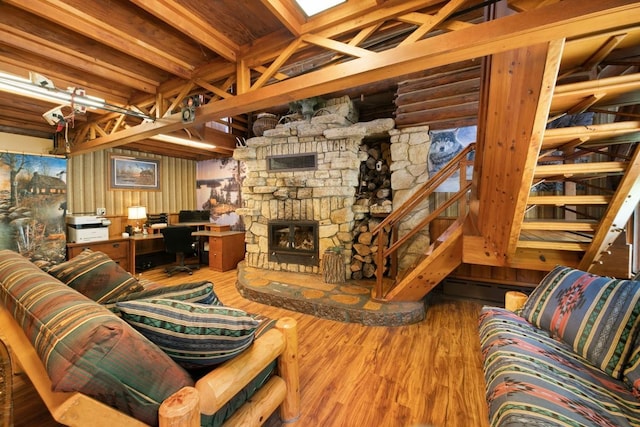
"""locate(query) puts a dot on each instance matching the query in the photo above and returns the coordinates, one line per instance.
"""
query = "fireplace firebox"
(294, 242)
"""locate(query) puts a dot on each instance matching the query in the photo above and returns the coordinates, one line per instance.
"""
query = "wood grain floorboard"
(428, 373)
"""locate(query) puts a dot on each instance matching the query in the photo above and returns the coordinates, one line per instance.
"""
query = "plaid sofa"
(86, 347)
(569, 357)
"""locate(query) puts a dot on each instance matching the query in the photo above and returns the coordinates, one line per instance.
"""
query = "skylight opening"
(313, 7)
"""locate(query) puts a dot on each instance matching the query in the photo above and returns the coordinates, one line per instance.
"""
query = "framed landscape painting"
(133, 173)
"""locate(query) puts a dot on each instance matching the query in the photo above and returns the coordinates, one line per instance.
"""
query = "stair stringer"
(444, 256)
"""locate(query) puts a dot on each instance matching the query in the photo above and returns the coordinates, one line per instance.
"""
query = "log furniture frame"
(184, 407)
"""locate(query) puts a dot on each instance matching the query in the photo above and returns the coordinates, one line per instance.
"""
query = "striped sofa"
(569, 357)
(91, 367)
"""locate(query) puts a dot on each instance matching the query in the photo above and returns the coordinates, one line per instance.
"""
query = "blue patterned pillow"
(201, 292)
(597, 316)
(192, 334)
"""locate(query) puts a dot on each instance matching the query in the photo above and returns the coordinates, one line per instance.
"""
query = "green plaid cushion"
(598, 317)
(96, 276)
(193, 334)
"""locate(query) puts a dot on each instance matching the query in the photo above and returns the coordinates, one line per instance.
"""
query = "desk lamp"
(136, 213)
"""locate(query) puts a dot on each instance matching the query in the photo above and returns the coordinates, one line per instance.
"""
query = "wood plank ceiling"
(245, 56)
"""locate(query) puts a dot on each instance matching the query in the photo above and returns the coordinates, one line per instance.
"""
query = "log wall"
(445, 99)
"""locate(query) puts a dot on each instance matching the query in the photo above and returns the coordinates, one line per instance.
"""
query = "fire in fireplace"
(294, 242)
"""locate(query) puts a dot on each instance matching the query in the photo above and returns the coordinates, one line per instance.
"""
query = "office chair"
(178, 240)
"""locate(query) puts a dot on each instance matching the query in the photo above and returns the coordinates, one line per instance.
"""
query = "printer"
(87, 228)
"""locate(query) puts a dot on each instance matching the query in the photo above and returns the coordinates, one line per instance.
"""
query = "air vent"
(296, 162)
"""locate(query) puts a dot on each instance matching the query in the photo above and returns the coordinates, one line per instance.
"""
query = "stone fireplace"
(300, 192)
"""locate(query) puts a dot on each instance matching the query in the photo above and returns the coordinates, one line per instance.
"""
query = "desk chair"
(178, 240)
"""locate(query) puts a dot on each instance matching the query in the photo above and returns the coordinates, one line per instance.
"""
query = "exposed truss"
(257, 80)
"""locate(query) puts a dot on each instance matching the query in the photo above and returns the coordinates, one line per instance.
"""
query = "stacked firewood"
(375, 178)
(365, 249)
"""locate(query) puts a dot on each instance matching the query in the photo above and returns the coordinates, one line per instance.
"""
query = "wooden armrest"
(218, 386)
(514, 300)
(281, 344)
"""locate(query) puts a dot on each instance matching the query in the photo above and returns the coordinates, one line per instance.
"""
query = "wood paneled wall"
(88, 185)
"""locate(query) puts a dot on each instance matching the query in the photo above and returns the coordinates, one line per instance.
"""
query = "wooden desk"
(226, 248)
(144, 244)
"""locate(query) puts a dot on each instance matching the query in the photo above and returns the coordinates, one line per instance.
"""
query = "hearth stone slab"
(308, 293)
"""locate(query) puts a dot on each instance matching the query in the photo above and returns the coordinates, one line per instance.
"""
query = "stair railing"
(390, 224)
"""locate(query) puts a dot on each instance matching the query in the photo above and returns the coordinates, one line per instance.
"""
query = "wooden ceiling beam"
(571, 18)
(362, 13)
(289, 15)
(81, 21)
(352, 16)
(432, 21)
(185, 21)
(56, 53)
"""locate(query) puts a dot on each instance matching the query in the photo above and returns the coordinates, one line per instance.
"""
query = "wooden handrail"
(458, 164)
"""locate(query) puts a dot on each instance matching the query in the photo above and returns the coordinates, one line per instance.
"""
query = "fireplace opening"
(294, 242)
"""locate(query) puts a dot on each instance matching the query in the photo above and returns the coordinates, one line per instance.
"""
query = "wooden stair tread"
(560, 224)
(554, 239)
(593, 199)
(558, 137)
(561, 246)
(566, 96)
(568, 169)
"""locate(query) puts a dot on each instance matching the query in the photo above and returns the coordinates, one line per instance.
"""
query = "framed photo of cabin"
(133, 173)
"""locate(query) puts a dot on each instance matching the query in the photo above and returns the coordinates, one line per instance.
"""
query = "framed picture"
(132, 173)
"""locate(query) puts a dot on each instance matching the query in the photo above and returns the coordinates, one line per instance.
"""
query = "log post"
(333, 269)
(289, 370)
(181, 409)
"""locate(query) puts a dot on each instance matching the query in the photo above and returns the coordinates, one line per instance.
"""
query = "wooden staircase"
(503, 220)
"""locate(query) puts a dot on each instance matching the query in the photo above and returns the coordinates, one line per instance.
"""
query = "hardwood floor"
(352, 375)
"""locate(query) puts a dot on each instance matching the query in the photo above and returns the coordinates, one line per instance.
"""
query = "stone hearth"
(308, 293)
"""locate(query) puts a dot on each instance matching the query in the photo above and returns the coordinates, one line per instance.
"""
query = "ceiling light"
(73, 96)
(182, 141)
(312, 7)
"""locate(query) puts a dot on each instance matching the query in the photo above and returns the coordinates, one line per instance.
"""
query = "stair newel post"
(462, 203)
(393, 237)
(379, 265)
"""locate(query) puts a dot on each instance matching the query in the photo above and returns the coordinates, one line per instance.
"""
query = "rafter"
(337, 46)
(78, 20)
(273, 68)
(197, 28)
(55, 52)
(290, 18)
(431, 21)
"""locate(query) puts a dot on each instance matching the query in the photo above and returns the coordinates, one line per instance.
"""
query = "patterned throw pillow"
(598, 316)
(192, 334)
(201, 292)
(96, 276)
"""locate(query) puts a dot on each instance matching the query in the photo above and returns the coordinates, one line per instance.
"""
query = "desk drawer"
(116, 250)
